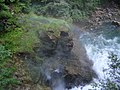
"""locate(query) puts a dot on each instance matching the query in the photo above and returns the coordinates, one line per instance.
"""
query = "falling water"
(99, 45)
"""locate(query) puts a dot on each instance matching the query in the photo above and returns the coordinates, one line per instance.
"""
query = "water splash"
(98, 50)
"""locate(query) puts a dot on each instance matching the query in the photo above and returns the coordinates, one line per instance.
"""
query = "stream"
(99, 44)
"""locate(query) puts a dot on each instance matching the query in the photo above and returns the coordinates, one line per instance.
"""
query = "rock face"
(116, 23)
(66, 58)
(65, 63)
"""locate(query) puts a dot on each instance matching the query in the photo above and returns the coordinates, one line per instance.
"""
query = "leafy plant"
(5, 15)
(8, 11)
(2, 1)
(76, 9)
(4, 7)
(12, 0)
(6, 69)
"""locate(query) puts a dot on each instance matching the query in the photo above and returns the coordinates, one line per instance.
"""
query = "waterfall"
(98, 49)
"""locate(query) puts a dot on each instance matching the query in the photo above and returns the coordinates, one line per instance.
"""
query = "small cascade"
(98, 48)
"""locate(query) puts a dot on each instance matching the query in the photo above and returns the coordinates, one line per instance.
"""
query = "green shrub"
(1, 27)
(5, 14)
(76, 9)
(26, 10)
(6, 69)
(13, 0)
(3, 7)
(8, 17)
(54, 9)
(2, 1)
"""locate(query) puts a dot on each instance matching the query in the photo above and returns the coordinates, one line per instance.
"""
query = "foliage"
(76, 9)
(54, 9)
(8, 11)
(25, 6)
(6, 69)
(2, 1)
(5, 15)
(4, 7)
(25, 38)
(11, 39)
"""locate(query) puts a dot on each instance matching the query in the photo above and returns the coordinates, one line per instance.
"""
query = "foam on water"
(98, 50)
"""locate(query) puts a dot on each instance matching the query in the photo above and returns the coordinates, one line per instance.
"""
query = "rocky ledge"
(65, 61)
(58, 61)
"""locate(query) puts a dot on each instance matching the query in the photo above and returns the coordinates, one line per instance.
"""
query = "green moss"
(25, 38)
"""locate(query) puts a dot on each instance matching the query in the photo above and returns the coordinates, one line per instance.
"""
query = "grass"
(25, 38)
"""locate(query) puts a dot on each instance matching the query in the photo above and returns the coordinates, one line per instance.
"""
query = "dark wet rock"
(65, 62)
(63, 34)
(70, 60)
(64, 46)
(23, 54)
(47, 45)
(117, 2)
(116, 23)
(78, 69)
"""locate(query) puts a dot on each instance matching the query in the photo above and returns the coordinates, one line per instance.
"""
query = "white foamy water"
(98, 50)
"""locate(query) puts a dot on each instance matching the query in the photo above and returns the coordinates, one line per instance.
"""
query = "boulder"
(65, 61)
(71, 62)
(116, 23)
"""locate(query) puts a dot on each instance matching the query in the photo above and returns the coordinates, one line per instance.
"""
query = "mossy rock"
(25, 38)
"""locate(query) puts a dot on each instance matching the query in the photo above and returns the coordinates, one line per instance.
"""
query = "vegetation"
(24, 39)
(75, 9)
(6, 69)
(19, 28)
(9, 10)
(68, 9)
